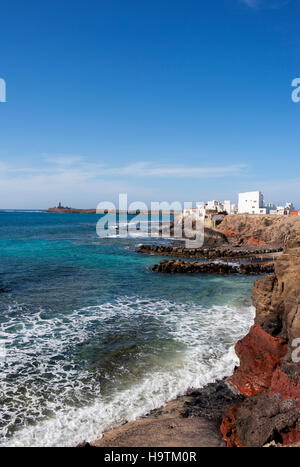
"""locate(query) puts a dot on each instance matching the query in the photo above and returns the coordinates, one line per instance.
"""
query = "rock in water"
(178, 266)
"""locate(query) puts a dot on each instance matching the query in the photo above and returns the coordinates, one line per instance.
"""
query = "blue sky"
(164, 100)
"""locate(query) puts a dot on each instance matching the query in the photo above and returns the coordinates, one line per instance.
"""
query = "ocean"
(91, 338)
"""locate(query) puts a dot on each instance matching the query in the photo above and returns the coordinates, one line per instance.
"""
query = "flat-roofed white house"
(230, 207)
(214, 206)
(252, 202)
(283, 210)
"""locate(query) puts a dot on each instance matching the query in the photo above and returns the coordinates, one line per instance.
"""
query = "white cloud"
(76, 167)
(146, 169)
(63, 160)
(79, 183)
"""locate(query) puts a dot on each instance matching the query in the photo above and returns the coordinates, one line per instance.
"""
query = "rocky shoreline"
(183, 267)
(226, 252)
(269, 371)
(259, 405)
(192, 420)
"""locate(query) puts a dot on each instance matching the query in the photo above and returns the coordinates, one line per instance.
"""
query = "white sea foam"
(64, 403)
(117, 230)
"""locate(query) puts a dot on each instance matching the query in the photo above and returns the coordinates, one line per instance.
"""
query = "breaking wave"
(68, 377)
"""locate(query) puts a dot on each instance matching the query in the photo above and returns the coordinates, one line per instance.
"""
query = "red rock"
(287, 388)
(228, 427)
(252, 241)
(268, 372)
(291, 437)
(230, 233)
(259, 355)
(269, 229)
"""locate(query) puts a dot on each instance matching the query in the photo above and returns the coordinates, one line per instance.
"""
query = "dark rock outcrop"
(66, 210)
(226, 252)
(259, 420)
(173, 267)
(211, 401)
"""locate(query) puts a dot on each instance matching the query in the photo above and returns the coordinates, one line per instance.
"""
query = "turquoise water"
(89, 337)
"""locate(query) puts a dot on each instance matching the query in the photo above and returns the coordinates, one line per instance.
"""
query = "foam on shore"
(58, 401)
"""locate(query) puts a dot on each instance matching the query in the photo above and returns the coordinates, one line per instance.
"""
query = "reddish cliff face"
(269, 371)
(257, 230)
(259, 354)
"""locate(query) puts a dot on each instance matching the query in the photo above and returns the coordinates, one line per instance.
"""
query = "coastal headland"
(259, 405)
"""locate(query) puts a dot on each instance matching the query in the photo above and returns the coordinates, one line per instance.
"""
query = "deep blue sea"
(90, 338)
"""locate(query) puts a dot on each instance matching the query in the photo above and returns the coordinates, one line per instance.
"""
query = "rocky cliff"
(256, 230)
(269, 371)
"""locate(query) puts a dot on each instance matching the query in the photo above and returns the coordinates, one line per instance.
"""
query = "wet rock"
(211, 401)
(210, 253)
(178, 266)
(261, 419)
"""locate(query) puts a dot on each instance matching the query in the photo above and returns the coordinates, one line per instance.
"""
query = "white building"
(230, 207)
(252, 202)
(216, 206)
(283, 210)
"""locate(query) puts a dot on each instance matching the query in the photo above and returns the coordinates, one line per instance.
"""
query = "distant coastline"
(68, 210)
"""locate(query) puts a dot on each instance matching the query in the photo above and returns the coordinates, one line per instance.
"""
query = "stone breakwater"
(269, 371)
(178, 266)
(210, 253)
